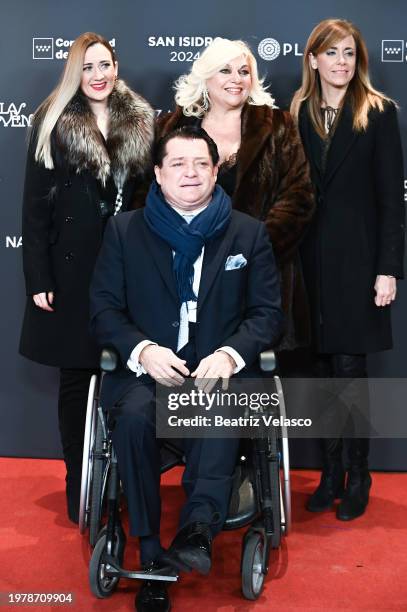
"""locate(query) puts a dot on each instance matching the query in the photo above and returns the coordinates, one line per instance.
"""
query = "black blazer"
(356, 233)
(133, 293)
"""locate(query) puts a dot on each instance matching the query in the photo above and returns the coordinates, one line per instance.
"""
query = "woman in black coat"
(353, 252)
(89, 147)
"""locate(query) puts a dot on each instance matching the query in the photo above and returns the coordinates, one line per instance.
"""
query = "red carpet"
(323, 565)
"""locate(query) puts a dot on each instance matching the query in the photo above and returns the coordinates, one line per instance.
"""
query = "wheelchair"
(260, 499)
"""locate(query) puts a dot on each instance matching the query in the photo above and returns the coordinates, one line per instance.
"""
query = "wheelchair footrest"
(112, 568)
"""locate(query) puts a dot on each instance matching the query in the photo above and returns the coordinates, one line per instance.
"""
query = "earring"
(205, 99)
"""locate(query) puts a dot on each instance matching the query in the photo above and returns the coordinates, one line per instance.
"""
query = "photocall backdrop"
(156, 41)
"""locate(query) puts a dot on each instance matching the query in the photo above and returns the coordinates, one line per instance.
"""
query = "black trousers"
(341, 366)
(347, 419)
(72, 400)
(210, 463)
(303, 362)
(355, 431)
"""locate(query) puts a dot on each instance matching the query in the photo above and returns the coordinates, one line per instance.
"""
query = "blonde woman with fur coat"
(262, 162)
(89, 148)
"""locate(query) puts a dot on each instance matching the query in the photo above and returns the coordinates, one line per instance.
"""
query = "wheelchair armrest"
(108, 360)
(268, 361)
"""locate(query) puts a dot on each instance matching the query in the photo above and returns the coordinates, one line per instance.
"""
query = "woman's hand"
(386, 290)
(43, 300)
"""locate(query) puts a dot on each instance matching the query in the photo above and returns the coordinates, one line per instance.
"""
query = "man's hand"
(386, 290)
(160, 362)
(211, 368)
(43, 300)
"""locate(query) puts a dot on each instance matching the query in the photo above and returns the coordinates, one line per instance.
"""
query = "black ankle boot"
(359, 481)
(356, 495)
(332, 481)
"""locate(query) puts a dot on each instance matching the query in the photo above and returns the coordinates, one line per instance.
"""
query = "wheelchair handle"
(108, 360)
(268, 361)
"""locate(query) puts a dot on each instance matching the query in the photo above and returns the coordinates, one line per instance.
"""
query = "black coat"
(134, 296)
(63, 223)
(356, 233)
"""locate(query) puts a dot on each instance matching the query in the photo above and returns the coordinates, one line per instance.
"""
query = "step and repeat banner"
(155, 42)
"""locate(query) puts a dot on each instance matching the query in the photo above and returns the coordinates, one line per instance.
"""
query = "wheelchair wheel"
(252, 561)
(285, 461)
(87, 461)
(120, 540)
(98, 484)
(101, 584)
(274, 471)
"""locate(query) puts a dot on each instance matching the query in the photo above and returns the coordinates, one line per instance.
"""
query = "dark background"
(28, 421)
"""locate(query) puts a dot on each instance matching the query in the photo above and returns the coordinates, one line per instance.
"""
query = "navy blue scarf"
(186, 239)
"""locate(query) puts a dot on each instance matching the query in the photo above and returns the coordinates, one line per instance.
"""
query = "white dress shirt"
(187, 315)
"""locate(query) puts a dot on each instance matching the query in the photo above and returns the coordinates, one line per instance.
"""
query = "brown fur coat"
(273, 185)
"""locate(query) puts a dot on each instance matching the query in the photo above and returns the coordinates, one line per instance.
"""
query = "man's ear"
(215, 171)
(157, 172)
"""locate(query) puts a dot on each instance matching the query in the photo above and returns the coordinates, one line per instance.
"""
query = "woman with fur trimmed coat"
(90, 147)
(262, 162)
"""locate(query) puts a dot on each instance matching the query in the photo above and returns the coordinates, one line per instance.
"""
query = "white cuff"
(133, 361)
(240, 362)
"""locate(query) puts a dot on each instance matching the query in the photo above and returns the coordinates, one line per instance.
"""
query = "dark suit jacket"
(134, 296)
(357, 231)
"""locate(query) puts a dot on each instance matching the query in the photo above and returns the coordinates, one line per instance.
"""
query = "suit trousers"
(210, 463)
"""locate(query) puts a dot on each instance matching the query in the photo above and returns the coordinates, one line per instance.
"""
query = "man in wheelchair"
(184, 287)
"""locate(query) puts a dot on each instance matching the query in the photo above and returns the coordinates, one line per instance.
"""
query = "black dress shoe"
(153, 595)
(191, 548)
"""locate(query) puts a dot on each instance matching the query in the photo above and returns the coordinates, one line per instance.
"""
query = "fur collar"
(127, 151)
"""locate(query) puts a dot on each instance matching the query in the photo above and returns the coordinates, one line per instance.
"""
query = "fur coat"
(273, 185)
(64, 213)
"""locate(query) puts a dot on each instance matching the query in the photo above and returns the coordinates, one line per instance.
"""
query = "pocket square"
(234, 262)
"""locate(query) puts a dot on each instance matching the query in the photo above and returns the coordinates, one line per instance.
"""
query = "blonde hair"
(191, 93)
(48, 113)
(361, 93)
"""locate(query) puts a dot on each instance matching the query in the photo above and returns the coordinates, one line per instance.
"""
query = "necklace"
(330, 115)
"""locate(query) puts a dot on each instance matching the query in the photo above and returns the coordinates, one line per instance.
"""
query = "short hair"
(187, 132)
(190, 89)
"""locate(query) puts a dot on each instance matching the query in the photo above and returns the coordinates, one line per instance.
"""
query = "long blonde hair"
(191, 93)
(361, 93)
(48, 113)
